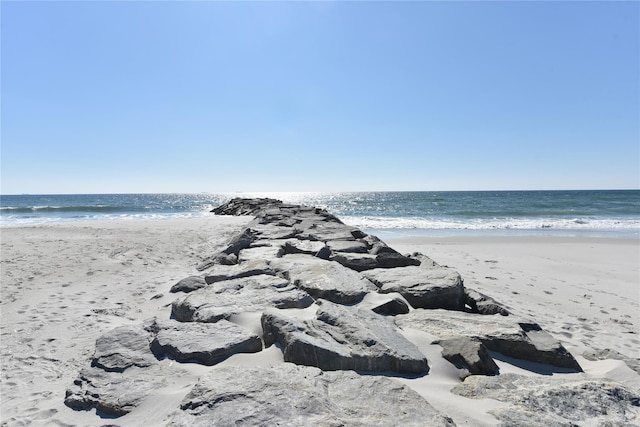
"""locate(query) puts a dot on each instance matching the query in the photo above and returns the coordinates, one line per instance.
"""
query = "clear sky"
(319, 96)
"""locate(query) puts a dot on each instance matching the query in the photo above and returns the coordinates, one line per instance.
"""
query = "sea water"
(597, 212)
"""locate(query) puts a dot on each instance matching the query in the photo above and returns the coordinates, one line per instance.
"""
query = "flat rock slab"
(247, 269)
(343, 338)
(122, 348)
(543, 401)
(290, 395)
(221, 300)
(259, 253)
(113, 393)
(369, 261)
(204, 343)
(354, 246)
(526, 341)
(421, 287)
(324, 279)
(189, 284)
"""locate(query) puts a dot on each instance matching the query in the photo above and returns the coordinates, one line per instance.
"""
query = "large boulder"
(113, 393)
(421, 287)
(323, 279)
(122, 348)
(221, 300)
(547, 401)
(291, 395)
(340, 338)
(189, 284)
(204, 343)
(520, 340)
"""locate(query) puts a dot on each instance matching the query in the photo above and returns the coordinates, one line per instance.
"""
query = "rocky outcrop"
(482, 304)
(244, 206)
(125, 368)
(223, 299)
(331, 298)
(204, 343)
(340, 338)
(291, 395)
(540, 401)
(526, 341)
(421, 287)
(323, 279)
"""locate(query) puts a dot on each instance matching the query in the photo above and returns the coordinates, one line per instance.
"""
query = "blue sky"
(319, 96)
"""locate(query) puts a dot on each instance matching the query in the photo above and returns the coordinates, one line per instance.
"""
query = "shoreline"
(63, 285)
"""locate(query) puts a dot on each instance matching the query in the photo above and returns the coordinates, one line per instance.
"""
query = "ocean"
(390, 214)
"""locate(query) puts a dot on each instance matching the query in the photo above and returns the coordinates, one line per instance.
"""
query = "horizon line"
(316, 192)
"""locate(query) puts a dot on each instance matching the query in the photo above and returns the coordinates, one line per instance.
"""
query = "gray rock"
(425, 261)
(544, 401)
(242, 240)
(219, 259)
(113, 393)
(470, 354)
(330, 231)
(367, 261)
(385, 304)
(422, 287)
(377, 246)
(189, 284)
(204, 343)
(249, 294)
(392, 307)
(266, 232)
(482, 304)
(352, 246)
(245, 206)
(356, 262)
(122, 348)
(343, 338)
(308, 247)
(526, 341)
(323, 279)
(290, 395)
(260, 253)
(324, 253)
(238, 271)
(392, 260)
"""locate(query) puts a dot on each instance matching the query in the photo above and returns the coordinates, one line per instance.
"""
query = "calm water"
(389, 213)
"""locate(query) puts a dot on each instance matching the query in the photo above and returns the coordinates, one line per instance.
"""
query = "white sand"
(584, 291)
(64, 285)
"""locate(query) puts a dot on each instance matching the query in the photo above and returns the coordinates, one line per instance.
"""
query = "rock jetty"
(340, 305)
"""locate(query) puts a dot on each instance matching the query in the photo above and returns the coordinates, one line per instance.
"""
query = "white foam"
(409, 223)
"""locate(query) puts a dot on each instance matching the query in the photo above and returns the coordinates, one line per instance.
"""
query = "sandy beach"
(63, 285)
